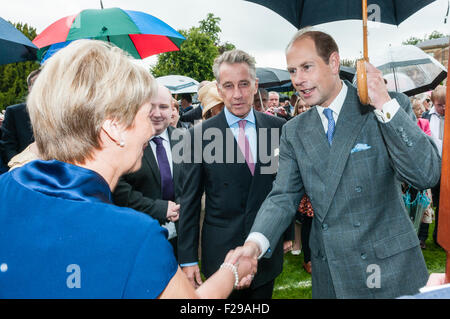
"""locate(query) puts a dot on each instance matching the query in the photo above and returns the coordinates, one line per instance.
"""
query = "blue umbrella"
(14, 45)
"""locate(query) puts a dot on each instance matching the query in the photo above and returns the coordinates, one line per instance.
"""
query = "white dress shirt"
(435, 122)
(250, 129)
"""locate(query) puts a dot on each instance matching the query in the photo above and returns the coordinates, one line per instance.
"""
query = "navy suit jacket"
(17, 132)
(233, 198)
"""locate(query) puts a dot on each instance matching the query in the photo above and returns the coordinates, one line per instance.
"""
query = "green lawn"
(295, 283)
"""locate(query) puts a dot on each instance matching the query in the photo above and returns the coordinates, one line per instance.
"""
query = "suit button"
(363, 256)
(357, 224)
(325, 226)
(358, 189)
(324, 258)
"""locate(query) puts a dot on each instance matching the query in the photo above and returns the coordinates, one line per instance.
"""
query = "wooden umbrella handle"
(361, 73)
(365, 42)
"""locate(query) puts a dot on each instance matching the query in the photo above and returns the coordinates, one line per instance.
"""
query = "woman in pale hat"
(210, 100)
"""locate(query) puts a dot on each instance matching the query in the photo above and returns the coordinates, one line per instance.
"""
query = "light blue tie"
(331, 125)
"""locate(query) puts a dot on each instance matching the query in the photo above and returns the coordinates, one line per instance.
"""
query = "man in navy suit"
(145, 190)
(234, 189)
(17, 132)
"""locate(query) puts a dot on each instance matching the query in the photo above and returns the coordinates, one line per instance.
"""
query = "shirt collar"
(433, 111)
(338, 102)
(233, 119)
(164, 135)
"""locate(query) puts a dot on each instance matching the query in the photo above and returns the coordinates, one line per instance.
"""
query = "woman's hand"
(246, 267)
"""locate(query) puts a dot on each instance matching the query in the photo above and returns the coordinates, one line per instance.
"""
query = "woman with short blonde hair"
(80, 88)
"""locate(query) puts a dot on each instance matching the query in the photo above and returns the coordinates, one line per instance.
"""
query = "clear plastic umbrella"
(409, 70)
(178, 84)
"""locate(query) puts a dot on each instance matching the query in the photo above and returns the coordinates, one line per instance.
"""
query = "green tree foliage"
(348, 62)
(13, 77)
(415, 40)
(210, 26)
(197, 52)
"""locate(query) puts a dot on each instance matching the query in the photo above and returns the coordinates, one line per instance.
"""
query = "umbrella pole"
(365, 42)
(260, 100)
(361, 73)
(443, 234)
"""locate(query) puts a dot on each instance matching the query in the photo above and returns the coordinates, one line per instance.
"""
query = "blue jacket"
(61, 237)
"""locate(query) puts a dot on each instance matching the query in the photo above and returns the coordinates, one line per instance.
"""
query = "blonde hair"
(297, 106)
(79, 88)
(417, 104)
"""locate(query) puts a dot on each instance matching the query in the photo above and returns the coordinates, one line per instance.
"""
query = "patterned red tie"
(244, 145)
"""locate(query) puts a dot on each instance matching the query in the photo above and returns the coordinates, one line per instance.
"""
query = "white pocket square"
(360, 147)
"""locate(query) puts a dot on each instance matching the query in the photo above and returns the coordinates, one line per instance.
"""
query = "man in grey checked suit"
(351, 165)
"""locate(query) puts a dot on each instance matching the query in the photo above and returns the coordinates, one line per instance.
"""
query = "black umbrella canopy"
(303, 13)
(271, 77)
(285, 85)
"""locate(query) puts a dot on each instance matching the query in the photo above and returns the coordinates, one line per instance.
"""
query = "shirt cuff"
(261, 241)
(389, 110)
(188, 264)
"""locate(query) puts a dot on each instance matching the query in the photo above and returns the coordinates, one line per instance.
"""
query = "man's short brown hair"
(325, 44)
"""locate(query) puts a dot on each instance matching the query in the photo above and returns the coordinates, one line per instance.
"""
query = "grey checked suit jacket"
(362, 243)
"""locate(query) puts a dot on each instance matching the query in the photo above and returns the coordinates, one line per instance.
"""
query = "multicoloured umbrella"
(138, 33)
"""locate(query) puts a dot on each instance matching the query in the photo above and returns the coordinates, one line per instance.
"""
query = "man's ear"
(334, 62)
(114, 130)
(256, 86)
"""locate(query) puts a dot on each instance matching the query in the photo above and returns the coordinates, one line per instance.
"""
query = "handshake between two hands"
(245, 258)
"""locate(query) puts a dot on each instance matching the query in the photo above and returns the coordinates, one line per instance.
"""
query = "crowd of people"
(138, 194)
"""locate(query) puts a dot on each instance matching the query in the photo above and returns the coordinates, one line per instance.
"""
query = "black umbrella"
(345, 73)
(302, 13)
(14, 45)
(271, 77)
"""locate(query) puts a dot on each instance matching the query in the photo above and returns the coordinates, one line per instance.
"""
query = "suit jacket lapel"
(315, 142)
(175, 167)
(149, 157)
(259, 123)
(351, 120)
